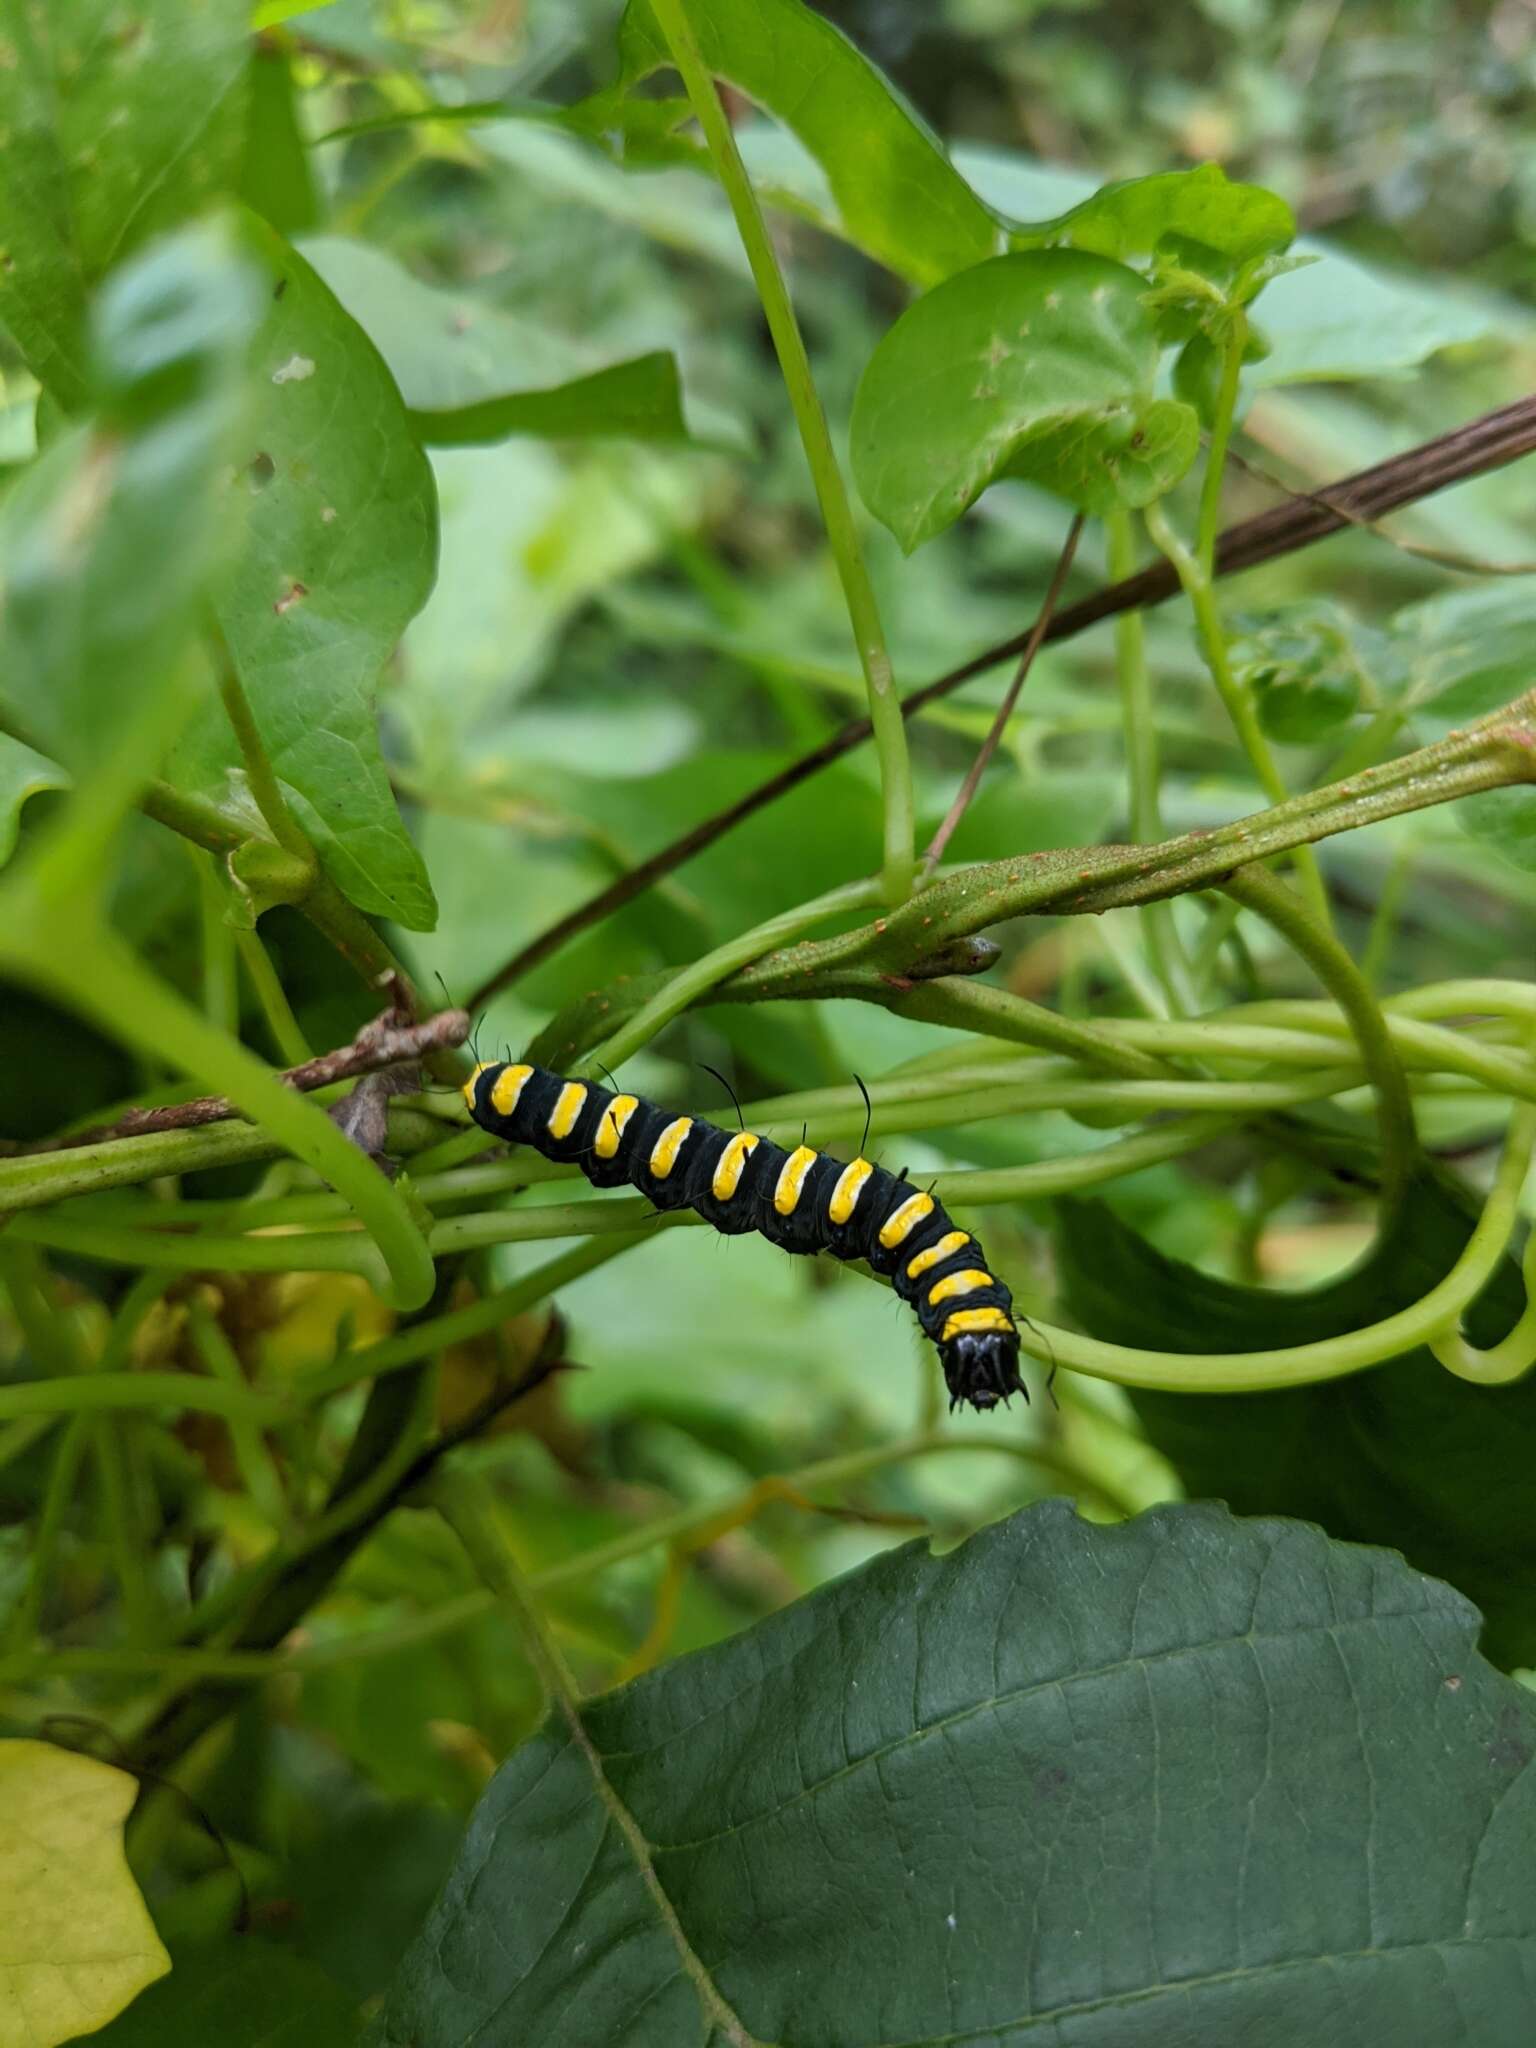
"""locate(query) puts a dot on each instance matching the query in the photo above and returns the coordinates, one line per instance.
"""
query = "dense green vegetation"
(479, 480)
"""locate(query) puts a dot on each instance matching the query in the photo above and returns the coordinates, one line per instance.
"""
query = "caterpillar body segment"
(801, 1200)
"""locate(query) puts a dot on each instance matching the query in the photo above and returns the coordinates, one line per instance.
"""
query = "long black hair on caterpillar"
(802, 1201)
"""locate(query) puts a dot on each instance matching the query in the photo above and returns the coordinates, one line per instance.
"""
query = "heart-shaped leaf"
(1037, 365)
(339, 520)
(76, 1940)
(1187, 1779)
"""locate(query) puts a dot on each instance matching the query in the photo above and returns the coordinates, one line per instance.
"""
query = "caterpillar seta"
(802, 1201)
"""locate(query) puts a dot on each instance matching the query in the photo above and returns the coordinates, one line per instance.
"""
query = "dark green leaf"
(1037, 365)
(340, 519)
(897, 194)
(1188, 1779)
(1406, 1454)
(122, 118)
(239, 1993)
(110, 540)
(275, 178)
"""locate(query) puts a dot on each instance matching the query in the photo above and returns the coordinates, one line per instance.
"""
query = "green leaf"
(76, 1940)
(897, 194)
(473, 374)
(1467, 654)
(122, 118)
(638, 401)
(1188, 1779)
(340, 522)
(23, 773)
(275, 177)
(1406, 1454)
(1300, 663)
(239, 1993)
(1203, 206)
(110, 539)
(1037, 365)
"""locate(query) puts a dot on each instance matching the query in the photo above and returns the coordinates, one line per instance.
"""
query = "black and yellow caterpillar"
(802, 1201)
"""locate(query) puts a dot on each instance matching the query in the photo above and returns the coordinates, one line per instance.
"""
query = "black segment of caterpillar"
(801, 1201)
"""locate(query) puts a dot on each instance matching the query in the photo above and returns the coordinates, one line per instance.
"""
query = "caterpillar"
(801, 1201)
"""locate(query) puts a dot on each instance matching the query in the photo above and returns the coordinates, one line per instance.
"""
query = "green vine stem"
(1200, 589)
(885, 715)
(1261, 892)
(686, 987)
(1142, 765)
(84, 965)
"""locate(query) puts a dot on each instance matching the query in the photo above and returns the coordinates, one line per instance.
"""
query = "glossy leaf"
(238, 1993)
(1038, 365)
(1173, 1779)
(339, 518)
(1405, 1454)
(897, 194)
(109, 542)
(76, 1939)
(122, 118)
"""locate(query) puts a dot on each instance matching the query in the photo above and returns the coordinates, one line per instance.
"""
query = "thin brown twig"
(1443, 558)
(390, 1040)
(1486, 443)
(989, 745)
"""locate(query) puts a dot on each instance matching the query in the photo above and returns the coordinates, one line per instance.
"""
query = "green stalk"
(62, 1474)
(1260, 891)
(259, 772)
(1142, 766)
(91, 971)
(842, 534)
(1209, 525)
(693, 981)
(288, 1041)
(1199, 588)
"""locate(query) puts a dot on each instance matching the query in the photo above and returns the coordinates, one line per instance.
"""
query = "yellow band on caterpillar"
(792, 1179)
(562, 1118)
(507, 1087)
(944, 1249)
(850, 1185)
(666, 1148)
(905, 1220)
(468, 1090)
(610, 1125)
(976, 1319)
(971, 1281)
(733, 1162)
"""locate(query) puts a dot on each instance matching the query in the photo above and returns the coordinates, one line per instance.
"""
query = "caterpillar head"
(981, 1367)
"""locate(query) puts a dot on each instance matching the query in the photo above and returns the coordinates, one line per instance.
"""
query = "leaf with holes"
(122, 118)
(1038, 365)
(339, 520)
(1405, 1454)
(76, 1940)
(1189, 1778)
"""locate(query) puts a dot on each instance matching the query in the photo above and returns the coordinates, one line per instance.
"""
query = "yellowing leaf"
(76, 1940)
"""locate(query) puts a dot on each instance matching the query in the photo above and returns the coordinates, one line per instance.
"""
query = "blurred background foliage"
(626, 632)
